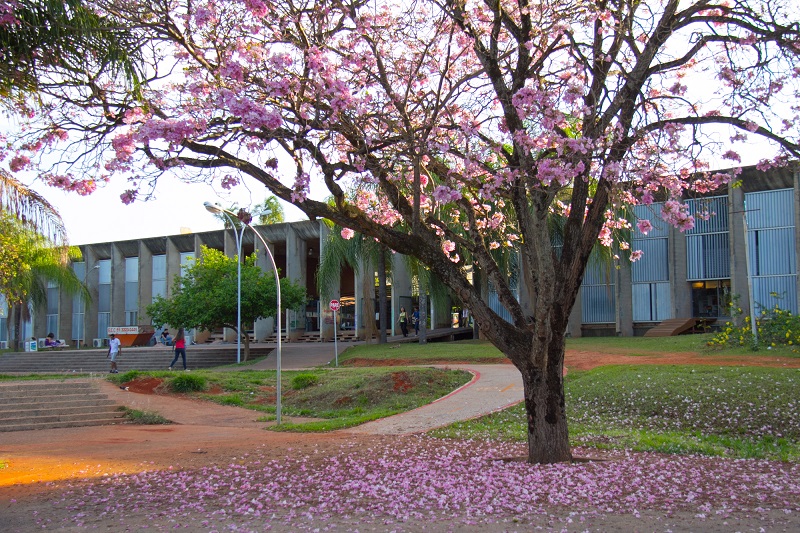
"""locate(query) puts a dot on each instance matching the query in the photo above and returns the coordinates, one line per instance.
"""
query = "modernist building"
(746, 252)
(124, 277)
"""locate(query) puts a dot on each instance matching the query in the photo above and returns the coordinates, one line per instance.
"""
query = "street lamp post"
(86, 300)
(217, 210)
(239, 234)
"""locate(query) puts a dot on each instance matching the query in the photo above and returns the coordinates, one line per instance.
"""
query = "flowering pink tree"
(449, 130)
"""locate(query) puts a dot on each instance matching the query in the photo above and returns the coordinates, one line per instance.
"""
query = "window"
(131, 291)
(159, 276)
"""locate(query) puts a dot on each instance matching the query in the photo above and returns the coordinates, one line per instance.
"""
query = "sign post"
(334, 305)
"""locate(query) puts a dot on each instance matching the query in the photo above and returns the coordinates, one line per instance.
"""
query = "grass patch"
(470, 351)
(3, 464)
(144, 417)
(36, 377)
(695, 344)
(343, 397)
(742, 412)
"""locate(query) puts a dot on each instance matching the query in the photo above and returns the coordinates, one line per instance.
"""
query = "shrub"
(187, 383)
(303, 381)
(774, 327)
(145, 417)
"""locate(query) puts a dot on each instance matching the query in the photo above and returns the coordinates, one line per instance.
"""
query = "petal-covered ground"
(419, 483)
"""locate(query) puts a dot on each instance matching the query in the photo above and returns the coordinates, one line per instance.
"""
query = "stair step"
(28, 405)
(33, 425)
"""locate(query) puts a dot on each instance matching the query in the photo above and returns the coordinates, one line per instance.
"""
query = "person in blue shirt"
(415, 318)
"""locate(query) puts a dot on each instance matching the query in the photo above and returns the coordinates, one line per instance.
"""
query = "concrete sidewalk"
(493, 387)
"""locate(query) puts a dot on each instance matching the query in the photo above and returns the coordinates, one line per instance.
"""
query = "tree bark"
(548, 435)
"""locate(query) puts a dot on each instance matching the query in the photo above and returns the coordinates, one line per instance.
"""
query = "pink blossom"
(347, 234)
(129, 196)
(444, 195)
(636, 255)
(204, 16)
(256, 7)
(644, 226)
(229, 182)
(19, 162)
(733, 156)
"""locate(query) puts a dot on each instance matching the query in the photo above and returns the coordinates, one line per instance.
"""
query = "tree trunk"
(246, 338)
(548, 435)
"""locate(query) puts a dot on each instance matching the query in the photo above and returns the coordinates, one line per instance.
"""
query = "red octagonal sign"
(334, 305)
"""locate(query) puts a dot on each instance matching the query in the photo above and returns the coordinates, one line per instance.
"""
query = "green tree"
(206, 296)
(28, 261)
(270, 211)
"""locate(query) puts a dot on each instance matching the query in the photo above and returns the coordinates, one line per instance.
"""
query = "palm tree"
(270, 211)
(29, 261)
(363, 255)
(65, 38)
(31, 209)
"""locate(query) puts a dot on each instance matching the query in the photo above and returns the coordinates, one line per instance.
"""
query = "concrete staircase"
(29, 405)
(139, 358)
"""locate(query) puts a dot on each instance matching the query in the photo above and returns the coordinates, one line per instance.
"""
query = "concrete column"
(92, 283)
(145, 282)
(681, 290)
(737, 243)
(296, 252)
(230, 249)
(401, 291)
(117, 287)
(359, 322)
(264, 327)
(173, 264)
(624, 299)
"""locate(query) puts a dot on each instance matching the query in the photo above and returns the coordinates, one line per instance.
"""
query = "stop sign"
(334, 305)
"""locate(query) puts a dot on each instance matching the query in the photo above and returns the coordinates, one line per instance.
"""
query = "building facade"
(745, 253)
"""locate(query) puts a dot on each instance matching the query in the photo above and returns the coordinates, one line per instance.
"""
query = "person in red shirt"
(179, 342)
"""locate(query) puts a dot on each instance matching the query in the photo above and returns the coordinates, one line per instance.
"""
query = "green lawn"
(743, 412)
(470, 351)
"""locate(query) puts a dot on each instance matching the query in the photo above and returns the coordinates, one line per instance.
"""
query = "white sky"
(102, 217)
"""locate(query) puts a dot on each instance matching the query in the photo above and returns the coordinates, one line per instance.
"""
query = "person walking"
(404, 321)
(114, 349)
(180, 348)
(415, 318)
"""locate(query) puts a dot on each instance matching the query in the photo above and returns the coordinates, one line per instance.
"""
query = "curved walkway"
(493, 387)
